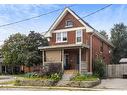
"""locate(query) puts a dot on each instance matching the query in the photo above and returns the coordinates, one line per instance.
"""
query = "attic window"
(69, 23)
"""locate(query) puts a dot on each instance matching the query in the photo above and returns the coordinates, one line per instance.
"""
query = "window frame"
(66, 24)
(80, 36)
(61, 37)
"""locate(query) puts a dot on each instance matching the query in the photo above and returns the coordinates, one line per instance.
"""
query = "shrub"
(54, 68)
(31, 75)
(55, 77)
(99, 68)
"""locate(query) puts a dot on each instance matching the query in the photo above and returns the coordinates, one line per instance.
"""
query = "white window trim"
(61, 33)
(81, 37)
(69, 25)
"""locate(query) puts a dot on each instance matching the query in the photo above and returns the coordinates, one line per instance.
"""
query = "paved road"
(113, 84)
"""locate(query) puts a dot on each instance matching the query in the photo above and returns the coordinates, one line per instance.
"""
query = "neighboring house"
(74, 44)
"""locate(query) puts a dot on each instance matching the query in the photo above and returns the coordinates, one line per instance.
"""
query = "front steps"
(68, 74)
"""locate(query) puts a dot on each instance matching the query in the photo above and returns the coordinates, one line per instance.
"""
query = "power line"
(97, 11)
(33, 17)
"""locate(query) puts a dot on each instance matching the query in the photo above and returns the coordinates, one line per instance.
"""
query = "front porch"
(72, 58)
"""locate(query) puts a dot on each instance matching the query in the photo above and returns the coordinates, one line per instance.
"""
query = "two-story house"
(74, 43)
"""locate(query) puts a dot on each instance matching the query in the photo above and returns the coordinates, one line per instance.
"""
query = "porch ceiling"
(64, 46)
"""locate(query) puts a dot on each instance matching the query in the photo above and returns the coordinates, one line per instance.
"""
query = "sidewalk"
(38, 88)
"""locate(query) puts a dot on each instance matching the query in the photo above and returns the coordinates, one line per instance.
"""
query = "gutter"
(91, 50)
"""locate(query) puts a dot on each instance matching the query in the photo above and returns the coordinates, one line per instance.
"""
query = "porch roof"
(64, 46)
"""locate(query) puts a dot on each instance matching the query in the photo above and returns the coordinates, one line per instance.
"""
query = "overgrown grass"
(84, 77)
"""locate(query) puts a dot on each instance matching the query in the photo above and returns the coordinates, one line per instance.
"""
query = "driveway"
(116, 84)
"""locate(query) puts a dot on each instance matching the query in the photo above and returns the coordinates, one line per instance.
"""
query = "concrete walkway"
(117, 84)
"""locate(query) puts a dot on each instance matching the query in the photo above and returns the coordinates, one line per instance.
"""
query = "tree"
(13, 50)
(103, 32)
(119, 40)
(33, 41)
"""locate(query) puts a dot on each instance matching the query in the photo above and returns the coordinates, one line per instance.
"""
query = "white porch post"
(62, 60)
(80, 60)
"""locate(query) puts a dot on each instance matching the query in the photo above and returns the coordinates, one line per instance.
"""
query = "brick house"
(74, 43)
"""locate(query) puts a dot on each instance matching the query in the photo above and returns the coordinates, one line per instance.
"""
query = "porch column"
(80, 60)
(62, 55)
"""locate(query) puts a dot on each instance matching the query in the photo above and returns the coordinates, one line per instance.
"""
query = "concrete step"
(68, 74)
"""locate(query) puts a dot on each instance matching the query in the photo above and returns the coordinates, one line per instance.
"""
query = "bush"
(50, 70)
(54, 68)
(55, 77)
(31, 75)
(99, 68)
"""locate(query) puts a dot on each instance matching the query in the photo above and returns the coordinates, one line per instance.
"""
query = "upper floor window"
(69, 23)
(61, 37)
(78, 36)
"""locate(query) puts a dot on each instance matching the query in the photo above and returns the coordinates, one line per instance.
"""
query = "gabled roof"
(84, 23)
(61, 16)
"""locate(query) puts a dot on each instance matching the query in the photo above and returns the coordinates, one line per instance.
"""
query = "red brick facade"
(71, 39)
(68, 16)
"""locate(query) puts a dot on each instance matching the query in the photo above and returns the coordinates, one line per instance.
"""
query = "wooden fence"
(116, 70)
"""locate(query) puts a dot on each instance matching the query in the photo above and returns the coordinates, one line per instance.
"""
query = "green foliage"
(31, 75)
(55, 77)
(119, 40)
(99, 68)
(13, 50)
(33, 41)
(84, 77)
(103, 32)
(20, 49)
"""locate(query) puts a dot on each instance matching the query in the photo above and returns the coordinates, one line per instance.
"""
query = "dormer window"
(69, 23)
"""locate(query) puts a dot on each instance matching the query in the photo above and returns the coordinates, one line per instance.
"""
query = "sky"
(103, 20)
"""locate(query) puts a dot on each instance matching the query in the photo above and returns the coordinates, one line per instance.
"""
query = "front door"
(66, 61)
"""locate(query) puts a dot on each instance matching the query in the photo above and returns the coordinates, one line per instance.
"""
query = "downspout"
(91, 51)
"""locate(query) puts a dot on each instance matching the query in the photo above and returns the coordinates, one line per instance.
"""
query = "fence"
(116, 70)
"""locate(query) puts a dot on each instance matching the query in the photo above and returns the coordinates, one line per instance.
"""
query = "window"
(78, 36)
(61, 37)
(64, 36)
(69, 23)
(58, 37)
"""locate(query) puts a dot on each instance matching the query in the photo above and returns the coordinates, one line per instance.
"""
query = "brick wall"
(68, 16)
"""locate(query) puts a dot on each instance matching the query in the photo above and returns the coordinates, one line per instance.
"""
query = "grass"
(84, 78)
